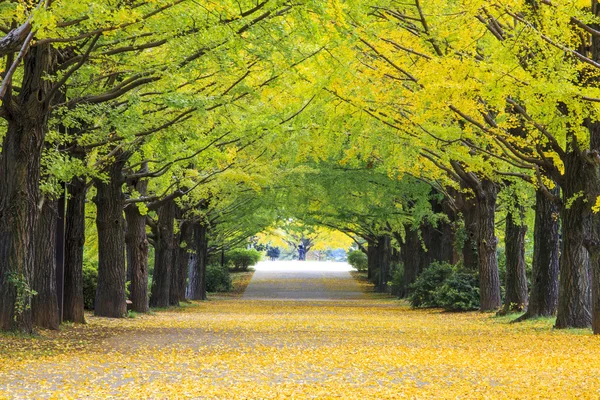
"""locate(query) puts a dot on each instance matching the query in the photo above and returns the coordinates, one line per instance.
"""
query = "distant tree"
(273, 253)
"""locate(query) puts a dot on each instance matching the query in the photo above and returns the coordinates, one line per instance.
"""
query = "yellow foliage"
(596, 206)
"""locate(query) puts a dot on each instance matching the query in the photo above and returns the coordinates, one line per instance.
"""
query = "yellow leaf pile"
(235, 349)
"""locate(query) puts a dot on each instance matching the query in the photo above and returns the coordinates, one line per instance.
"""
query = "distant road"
(303, 280)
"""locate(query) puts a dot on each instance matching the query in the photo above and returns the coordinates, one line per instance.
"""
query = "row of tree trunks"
(171, 259)
(420, 248)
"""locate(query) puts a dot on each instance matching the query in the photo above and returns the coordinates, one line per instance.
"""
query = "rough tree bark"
(110, 293)
(515, 298)
(179, 252)
(543, 298)
(440, 237)
(197, 285)
(428, 247)
(466, 205)
(469, 249)
(175, 275)
(136, 242)
(574, 297)
(74, 242)
(183, 258)
(27, 117)
(384, 253)
(371, 259)
(44, 305)
(163, 261)
(411, 254)
(489, 279)
(447, 231)
(592, 182)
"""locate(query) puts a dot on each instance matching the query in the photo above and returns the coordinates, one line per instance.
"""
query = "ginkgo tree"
(92, 60)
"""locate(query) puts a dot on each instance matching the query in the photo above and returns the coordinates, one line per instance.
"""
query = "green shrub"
(90, 282)
(358, 260)
(460, 292)
(241, 259)
(445, 286)
(218, 279)
(422, 292)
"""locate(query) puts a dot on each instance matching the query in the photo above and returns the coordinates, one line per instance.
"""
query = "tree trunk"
(411, 254)
(592, 180)
(516, 275)
(183, 258)
(74, 242)
(197, 286)
(384, 252)
(440, 237)
(27, 118)
(469, 250)
(489, 280)
(136, 242)
(175, 278)
(44, 305)
(574, 297)
(110, 293)
(137, 258)
(371, 260)
(544, 280)
(448, 234)
(163, 261)
(428, 248)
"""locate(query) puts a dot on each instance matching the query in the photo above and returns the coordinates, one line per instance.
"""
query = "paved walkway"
(302, 280)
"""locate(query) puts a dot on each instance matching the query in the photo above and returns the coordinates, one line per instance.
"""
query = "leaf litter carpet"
(365, 346)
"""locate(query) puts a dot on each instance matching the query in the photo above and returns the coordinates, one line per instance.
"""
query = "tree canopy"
(415, 131)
